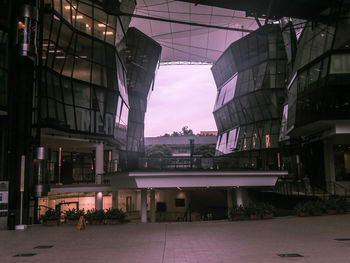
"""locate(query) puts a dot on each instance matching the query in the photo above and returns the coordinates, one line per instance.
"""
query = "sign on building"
(3, 204)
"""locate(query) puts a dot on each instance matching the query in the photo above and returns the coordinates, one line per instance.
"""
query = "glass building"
(141, 55)
(250, 77)
(317, 109)
(4, 78)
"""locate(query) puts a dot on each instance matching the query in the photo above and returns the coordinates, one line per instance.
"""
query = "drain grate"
(342, 239)
(25, 255)
(292, 255)
(43, 247)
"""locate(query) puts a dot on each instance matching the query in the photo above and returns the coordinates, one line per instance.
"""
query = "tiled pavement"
(204, 242)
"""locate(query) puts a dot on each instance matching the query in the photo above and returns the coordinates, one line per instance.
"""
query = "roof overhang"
(81, 188)
(200, 179)
(274, 9)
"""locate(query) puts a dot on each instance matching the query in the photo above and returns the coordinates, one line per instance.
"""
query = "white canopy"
(199, 179)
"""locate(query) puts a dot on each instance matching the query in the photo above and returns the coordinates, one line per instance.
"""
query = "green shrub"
(74, 214)
(94, 214)
(51, 215)
(237, 211)
(113, 213)
(310, 207)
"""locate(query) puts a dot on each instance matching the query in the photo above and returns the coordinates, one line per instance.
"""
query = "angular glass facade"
(141, 55)
(83, 87)
(319, 90)
(4, 77)
(4, 50)
(250, 76)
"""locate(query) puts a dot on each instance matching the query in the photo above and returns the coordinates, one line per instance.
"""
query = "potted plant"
(267, 210)
(310, 208)
(95, 217)
(341, 205)
(237, 213)
(72, 216)
(115, 216)
(302, 209)
(51, 217)
(253, 211)
(317, 207)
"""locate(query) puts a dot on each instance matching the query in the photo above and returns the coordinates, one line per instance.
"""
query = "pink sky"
(183, 95)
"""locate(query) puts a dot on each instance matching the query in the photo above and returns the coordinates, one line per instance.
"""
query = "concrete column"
(99, 157)
(143, 205)
(99, 163)
(229, 202)
(115, 159)
(98, 201)
(329, 168)
(239, 196)
(115, 196)
(153, 205)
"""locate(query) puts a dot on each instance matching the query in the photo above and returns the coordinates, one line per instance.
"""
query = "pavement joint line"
(43, 246)
(290, 255)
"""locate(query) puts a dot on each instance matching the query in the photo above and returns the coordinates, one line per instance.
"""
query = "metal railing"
(338, 189)
(301, 188)
(194, 163)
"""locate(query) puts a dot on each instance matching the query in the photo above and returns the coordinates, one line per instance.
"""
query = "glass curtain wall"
(249, 105)
(141, 55)
(4, 86)
(83, 79)
(319, 88)
(4, 39)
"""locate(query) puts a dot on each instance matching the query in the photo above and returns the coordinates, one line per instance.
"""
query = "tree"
(186, 131)
(205, 150)
(158, 150)
(175, 133)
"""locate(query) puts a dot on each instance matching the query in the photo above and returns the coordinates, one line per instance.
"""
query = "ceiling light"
(101, 25)
(67, 7)
(78, 17)
(108, 33)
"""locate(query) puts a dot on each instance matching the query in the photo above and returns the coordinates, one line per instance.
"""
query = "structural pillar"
(239, 196)
(115, 196)
(99, 201)
(99, 158)
(329, 167)
(229, 202)
(115, 158)
(153, 205)
(143, 205)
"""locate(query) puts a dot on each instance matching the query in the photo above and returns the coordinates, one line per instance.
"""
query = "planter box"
(72, 222)
(254, 217)
(113, 221)
(51, 223)
(268, 216)
(303, 214)
(331, 212)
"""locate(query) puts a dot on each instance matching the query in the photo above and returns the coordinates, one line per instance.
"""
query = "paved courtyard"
(204, 242)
